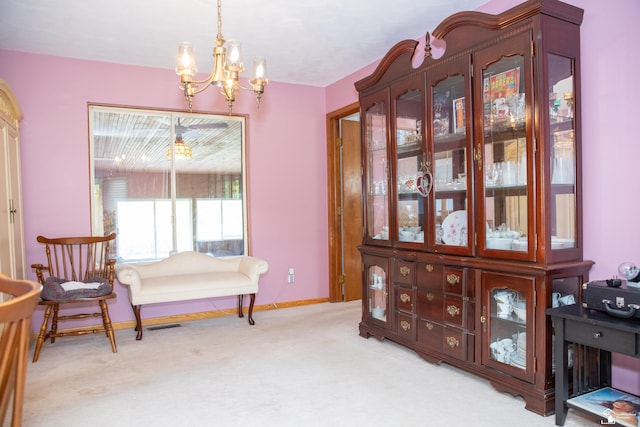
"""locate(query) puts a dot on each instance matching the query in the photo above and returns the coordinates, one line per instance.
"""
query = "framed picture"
(459, 122)
(497, 88)
(441, 114)
(613, 405)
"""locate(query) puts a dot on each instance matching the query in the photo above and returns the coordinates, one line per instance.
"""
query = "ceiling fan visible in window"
(181, 129)
(179, 149)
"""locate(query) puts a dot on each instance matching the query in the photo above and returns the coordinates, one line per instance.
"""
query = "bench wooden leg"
(136, 312)
(240, 313)
(253, 299)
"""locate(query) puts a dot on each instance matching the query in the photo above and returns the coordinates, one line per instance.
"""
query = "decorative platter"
(454, 227)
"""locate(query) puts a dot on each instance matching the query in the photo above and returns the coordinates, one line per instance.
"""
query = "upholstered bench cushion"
(194, 286)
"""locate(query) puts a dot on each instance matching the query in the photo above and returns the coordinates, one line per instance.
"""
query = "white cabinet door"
(12, 258)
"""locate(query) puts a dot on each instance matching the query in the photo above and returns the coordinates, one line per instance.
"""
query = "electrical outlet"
(291, 275)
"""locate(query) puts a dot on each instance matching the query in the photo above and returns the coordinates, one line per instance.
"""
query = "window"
(167, 181)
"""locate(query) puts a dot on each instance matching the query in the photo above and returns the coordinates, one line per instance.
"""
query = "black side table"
(595, 336)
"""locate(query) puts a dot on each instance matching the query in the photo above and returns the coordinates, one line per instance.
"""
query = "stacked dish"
(519, 359)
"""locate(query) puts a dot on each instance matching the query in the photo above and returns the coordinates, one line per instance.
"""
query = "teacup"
(407, 236)
(567, 300)
(508, 345)
(377, 312)
(504, 310)
(555, 299)
(497, 352)
(502, 350)
(377, 281)
(505, 297)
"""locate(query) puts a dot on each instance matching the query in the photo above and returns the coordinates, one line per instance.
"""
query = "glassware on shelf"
(377, 212)
(377, 293)
(563, 169)
(562, 159)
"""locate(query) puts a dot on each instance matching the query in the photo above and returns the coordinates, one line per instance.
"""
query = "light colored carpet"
(297, 366)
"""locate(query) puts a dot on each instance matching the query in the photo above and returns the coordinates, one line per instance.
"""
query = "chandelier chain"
(220, 20)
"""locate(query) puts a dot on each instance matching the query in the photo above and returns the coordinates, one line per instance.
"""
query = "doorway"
(345, 204)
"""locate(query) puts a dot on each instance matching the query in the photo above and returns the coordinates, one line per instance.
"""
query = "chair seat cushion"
(57, 289)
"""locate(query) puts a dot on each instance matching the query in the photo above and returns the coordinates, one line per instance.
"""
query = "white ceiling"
(311, 42)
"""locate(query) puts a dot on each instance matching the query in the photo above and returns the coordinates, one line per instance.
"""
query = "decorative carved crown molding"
(8, 102)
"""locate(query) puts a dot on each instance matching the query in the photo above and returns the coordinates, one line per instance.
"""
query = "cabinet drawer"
(600, 337)
(430, 335)
(429, 276)
(404, 272)
(453, 280)
(454, 310)
(406, 326)
(429, 304)
(405, 299)
(454, 343)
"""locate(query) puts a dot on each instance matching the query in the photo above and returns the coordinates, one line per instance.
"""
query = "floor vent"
(172, 325)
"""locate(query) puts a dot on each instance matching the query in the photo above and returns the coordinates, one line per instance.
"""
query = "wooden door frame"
(333, 194)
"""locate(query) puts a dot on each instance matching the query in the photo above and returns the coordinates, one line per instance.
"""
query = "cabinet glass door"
(377, 292)
(408, 143)
(507, 315)
(450, 162)
(504, 171)
(563, 152)
(377, 185)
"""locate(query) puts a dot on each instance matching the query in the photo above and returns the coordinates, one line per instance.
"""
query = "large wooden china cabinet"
(472, 190)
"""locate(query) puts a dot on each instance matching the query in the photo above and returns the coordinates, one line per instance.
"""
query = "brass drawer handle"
(429, 325)
(430, 296)
(453, 343)
(405, 325)
(453, 279)
(404, 270)
(429, 267)
(453, 310)
(405, 298)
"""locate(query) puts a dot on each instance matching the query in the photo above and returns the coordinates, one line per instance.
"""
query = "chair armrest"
(128, 275)
(39, 268)
(253, 267)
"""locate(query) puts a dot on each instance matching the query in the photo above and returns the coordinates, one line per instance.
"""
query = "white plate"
(454, 228)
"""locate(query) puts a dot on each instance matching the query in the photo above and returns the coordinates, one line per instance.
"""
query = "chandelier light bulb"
(259, 71)
(234, 56)
(186, 64)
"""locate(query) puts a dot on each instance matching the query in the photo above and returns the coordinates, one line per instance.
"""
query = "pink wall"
(287, 156)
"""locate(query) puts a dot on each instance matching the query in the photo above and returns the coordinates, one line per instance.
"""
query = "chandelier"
(227, 65)
(179, 150)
